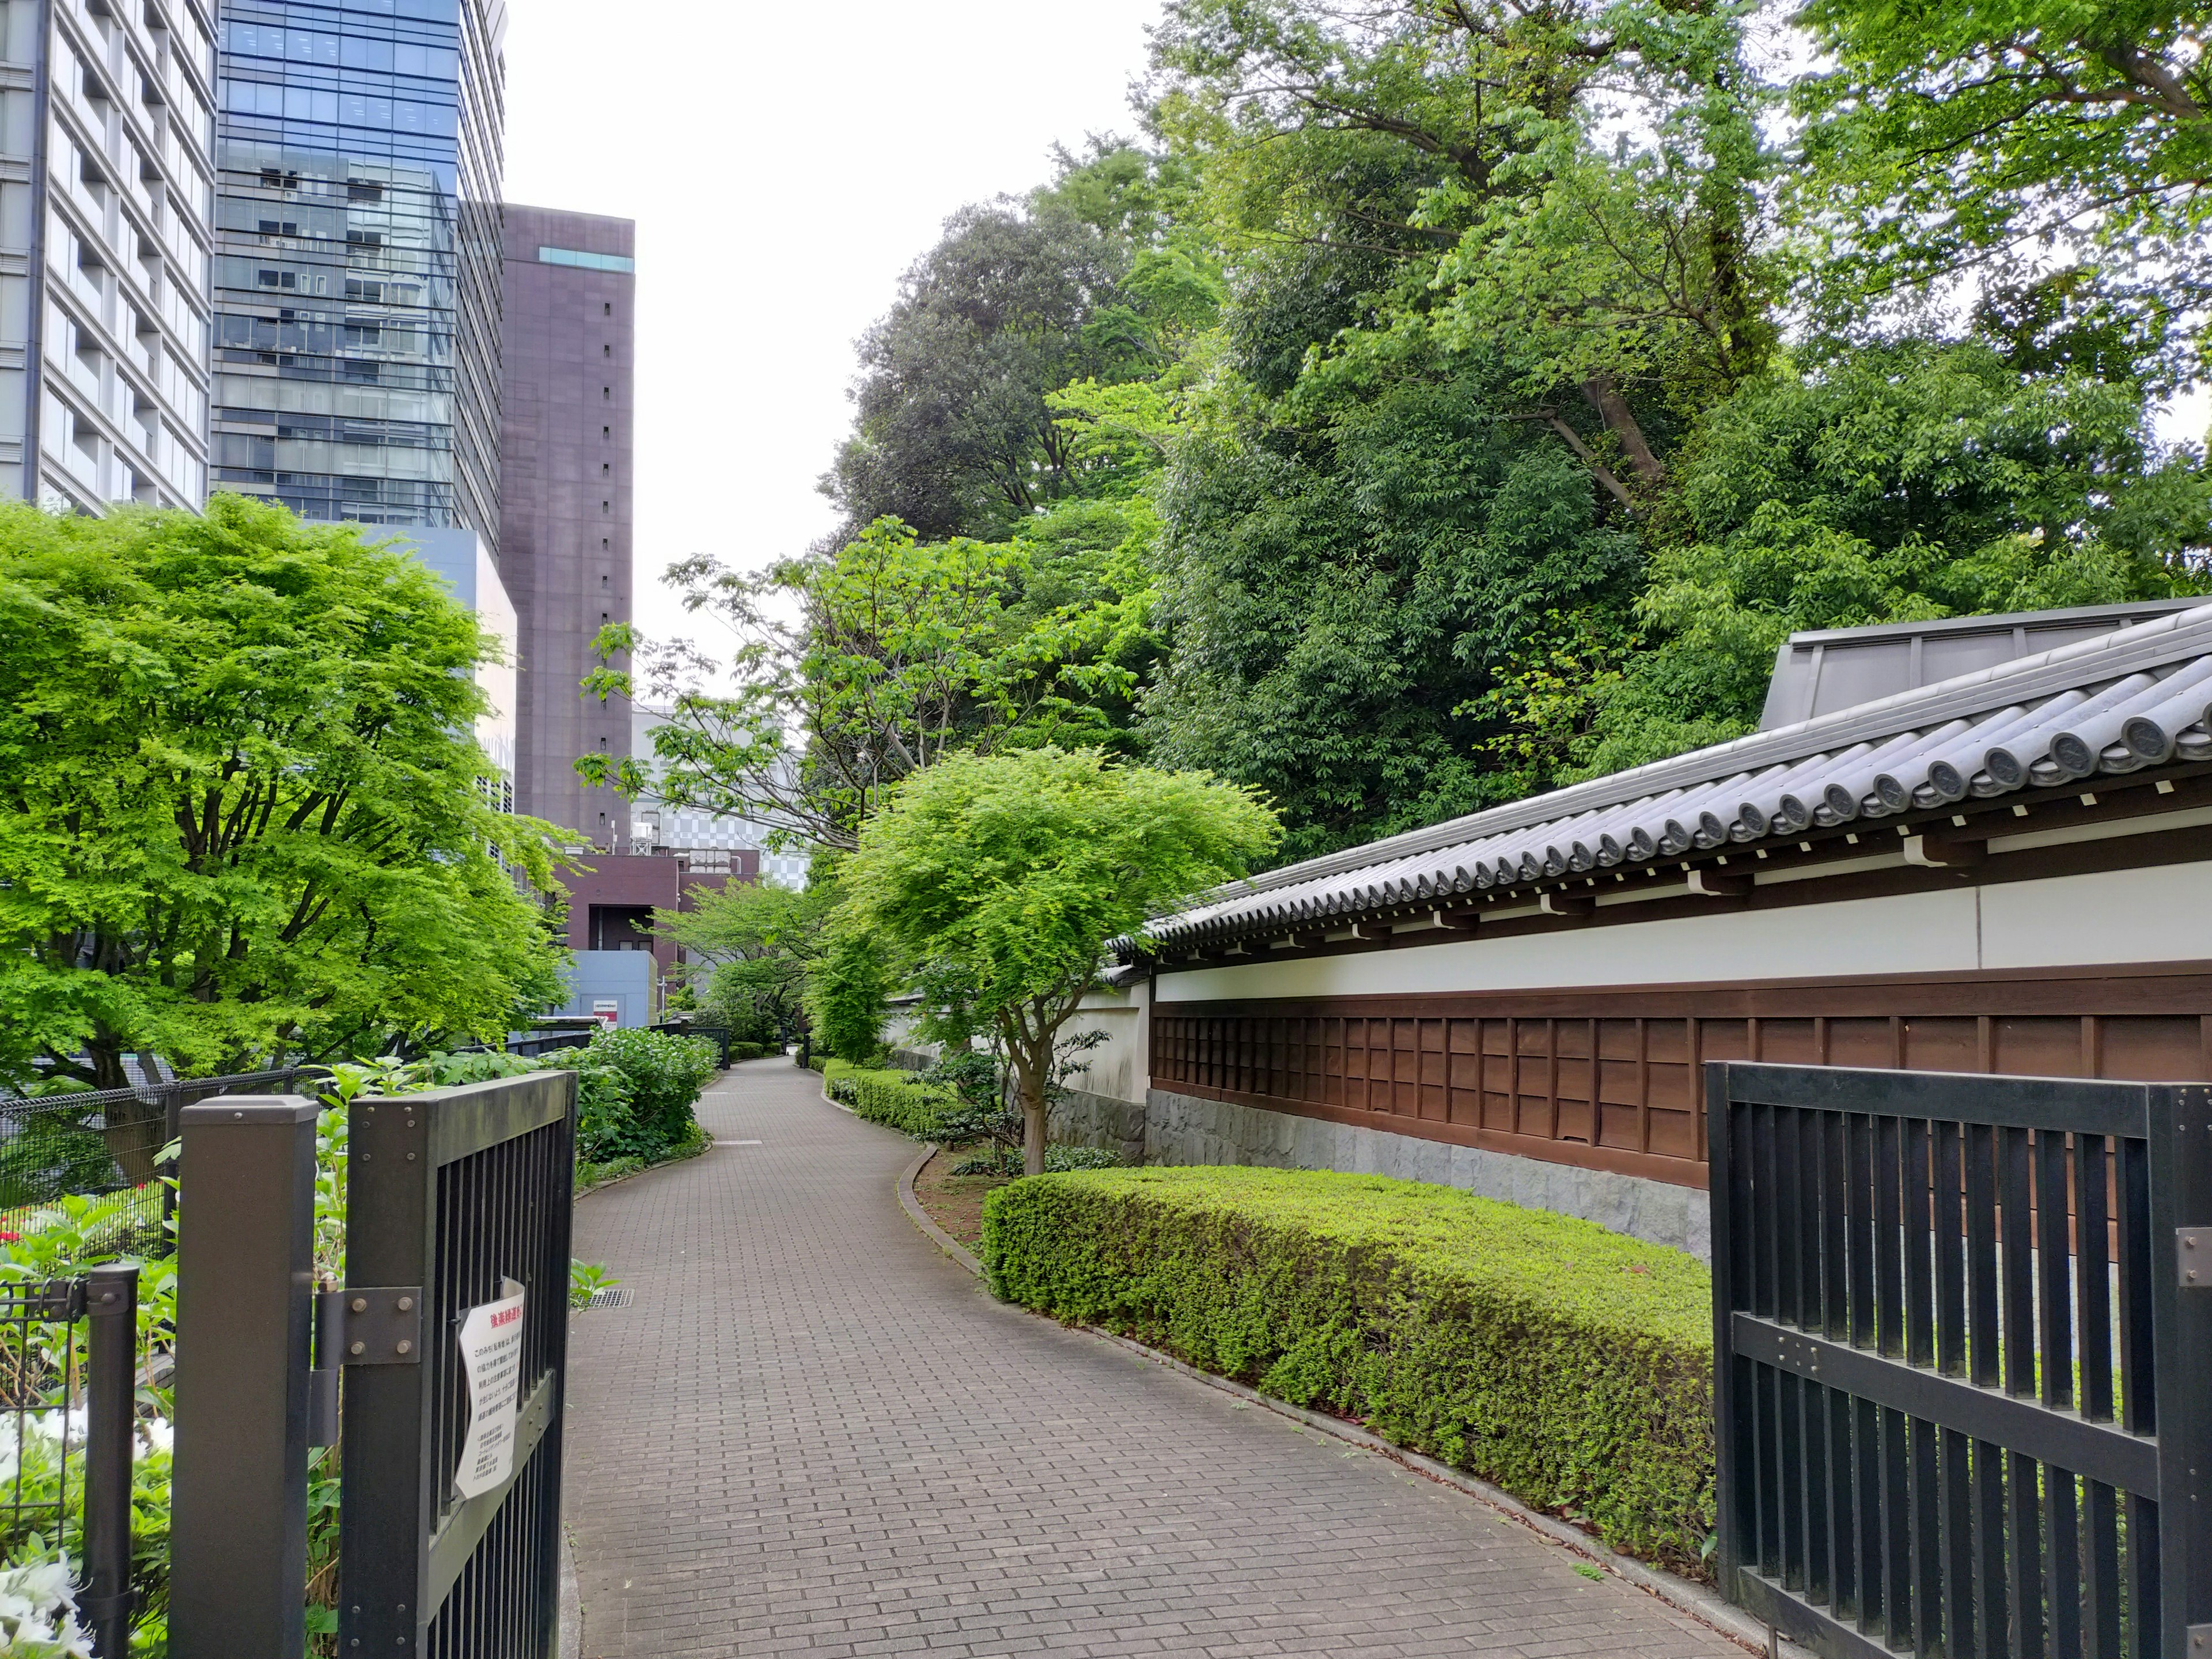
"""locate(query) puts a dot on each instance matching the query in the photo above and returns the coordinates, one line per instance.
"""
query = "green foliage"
(643, 1110)
(586, 1280)
(246, 819)
(1905, 483)
(757, 939)
(1058, 1160)
(898, 1100)
(861, 664)
(848, 995)
(1569, 1365)
(994, 883)
(748, 1051)
(2012, 138)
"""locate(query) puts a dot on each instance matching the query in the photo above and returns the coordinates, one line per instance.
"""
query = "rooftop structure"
(1926, 759)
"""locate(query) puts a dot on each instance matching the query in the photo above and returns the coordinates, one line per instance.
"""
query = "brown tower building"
(564, 529)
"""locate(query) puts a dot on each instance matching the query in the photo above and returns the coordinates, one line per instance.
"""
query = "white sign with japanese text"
(491, 1359)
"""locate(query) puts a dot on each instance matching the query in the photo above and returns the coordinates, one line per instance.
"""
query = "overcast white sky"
(784, 164)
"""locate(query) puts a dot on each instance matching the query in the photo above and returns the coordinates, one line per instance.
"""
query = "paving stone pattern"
(811, 1433)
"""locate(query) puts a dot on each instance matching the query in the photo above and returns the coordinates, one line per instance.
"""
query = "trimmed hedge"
(890, 1097)
(1566, 1364)
(746, 1051)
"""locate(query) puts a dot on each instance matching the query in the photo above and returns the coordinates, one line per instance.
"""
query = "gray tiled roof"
(2118, 703)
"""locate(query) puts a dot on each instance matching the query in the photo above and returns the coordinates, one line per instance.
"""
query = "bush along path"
(811, 1433)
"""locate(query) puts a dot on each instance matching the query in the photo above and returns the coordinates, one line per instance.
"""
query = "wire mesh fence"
(41, 1452)
(94, 1143)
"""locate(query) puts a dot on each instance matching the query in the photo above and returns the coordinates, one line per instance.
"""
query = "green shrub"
(644, 1109)
(1568, 1364)
(900, 1100)
(746, 1051)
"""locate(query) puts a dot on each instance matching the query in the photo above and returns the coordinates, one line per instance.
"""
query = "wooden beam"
(1309, 941)
(1459, 920)
(1944, 852)
(1371, 930)
(1720, 884)
(1567, 904)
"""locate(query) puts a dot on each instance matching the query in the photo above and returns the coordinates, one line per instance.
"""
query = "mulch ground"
(955, 1202)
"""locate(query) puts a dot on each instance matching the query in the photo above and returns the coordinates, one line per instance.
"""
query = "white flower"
(38, 1613)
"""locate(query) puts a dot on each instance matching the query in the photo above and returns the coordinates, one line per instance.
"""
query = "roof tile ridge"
(2002, 685)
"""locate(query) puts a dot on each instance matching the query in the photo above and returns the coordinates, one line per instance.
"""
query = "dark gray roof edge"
(2082, 662)
(2002, 623)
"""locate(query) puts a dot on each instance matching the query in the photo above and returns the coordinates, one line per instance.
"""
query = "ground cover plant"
(1568, 1364)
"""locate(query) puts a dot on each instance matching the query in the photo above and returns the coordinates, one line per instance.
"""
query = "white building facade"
(105, 196)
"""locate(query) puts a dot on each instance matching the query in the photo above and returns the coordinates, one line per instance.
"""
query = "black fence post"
(2181, 1187)
(110, 1401)
(237, 1550)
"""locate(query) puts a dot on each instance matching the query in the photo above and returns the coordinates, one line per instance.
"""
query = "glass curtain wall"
(356, 280)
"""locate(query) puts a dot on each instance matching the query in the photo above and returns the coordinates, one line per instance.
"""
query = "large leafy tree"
(1899, 483)
(756, 942)
(995, 881)
(245, 818)
(2016, 141)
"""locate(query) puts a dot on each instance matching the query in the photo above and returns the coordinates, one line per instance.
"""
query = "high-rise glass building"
(356, 286)
(105, 137)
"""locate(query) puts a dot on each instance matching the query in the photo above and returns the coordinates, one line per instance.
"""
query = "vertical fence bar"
(110, 1412)
(2181, 1197)
(383, 1524)
(1728, 1187)
(238, 1551)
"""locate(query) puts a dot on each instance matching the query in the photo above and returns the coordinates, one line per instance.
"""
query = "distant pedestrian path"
(811, 1433)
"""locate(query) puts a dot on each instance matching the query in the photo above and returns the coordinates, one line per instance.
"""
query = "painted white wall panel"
(1909, 933)
(2161, 913)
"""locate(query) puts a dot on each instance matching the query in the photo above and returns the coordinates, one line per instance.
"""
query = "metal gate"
(1963, 1361)
(438, 1369)
(456, 1198)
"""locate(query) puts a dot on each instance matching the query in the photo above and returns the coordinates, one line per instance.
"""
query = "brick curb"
(920, 1218)
(1680, 1594)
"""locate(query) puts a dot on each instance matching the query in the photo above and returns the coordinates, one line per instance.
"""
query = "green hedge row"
(1566, 1364)
(890, 1098)
(746, 1051)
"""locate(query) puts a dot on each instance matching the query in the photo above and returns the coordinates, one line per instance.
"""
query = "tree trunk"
(1029, 1085)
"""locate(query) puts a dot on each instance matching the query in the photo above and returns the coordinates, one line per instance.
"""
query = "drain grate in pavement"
(609, 1298)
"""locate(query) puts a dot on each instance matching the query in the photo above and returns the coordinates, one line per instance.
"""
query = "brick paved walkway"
(812, 1434)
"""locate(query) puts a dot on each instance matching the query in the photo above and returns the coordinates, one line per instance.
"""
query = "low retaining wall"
(1174, 1128)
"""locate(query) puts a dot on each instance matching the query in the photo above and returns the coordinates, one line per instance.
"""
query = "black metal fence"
(68, 1416)
(466, 1194)
(92, 1143)
(438, 1368)
(1963, 1375)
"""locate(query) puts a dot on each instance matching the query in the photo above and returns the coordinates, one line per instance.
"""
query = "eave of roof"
(2123, 702)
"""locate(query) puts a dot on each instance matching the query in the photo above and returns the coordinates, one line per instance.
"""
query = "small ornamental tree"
(995, 882)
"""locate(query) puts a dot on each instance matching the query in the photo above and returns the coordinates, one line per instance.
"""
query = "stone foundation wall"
(1173, 1128)
(1088, 1120)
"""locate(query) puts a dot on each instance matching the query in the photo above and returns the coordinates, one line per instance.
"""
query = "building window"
(364, 190)
(582, 261)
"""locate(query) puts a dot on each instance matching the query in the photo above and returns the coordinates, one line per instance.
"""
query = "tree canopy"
(994, 882)
(247, 819)
(1437, 404)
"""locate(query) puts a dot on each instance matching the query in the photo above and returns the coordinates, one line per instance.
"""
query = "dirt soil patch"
(955, 1202)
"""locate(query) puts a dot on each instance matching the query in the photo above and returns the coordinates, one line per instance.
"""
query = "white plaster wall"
(1119, 1068)
(2162, 913)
